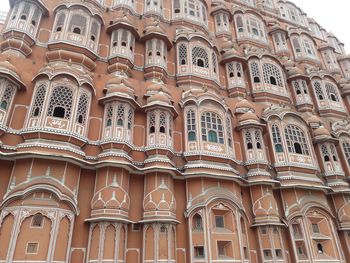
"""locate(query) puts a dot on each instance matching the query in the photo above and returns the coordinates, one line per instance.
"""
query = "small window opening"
(36, 112)
(297, 148)
(191, 136)
(200, 63)
(120, 122)
(152, 129)
(273, 80)
(212, 136)
(3, 105)
(59, 29)
(24, 17)
(80, 119)
(256, 80)
(37, 220)
(326, 158)
(258, 145)
(320, 248)
(278, 148)
(162, 129)
(77, 30)
(59, 112)
(109, 122)
(249, 145)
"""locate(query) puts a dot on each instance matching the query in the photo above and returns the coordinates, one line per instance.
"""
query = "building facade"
(179, 131)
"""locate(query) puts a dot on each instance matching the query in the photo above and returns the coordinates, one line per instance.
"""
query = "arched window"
(94, 31)
(258, 140)
(156, 52)
(229, 132)
(325, 153)
(154, 6)
(182, 54)
(197, 223)
(346, 148)
(37, 220)
(130, 118)
(248, 140)
(82, 109)
(296, 140)
(276, 138)
(162, 123)
(191, 125)
(8, 90)
(250, 26)
(193, 10)
(60, 22)
(318, 90)
(120, 115)
(334, 153)
(61, 100)
(200, 57)
(255, 72)
(152, 123)
(78, 24)
(332, 92)
(128, 3)
(25, 11)
(272, 75)
(212, 128)
(122, 43)
(239, 24)
(109, 115)
(38, 101)
(320, 248)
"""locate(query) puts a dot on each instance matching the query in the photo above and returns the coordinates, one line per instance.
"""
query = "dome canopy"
(159, 98)
(248, 117)
(119, 84)
(243, 106)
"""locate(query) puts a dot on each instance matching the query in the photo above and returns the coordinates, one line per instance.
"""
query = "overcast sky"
(333, 15)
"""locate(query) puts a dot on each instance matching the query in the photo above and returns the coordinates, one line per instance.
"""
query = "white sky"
(333, 15)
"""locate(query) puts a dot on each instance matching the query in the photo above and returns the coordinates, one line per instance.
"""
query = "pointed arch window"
(255, 72)
(212, 128)
(7, 96)
(38, 101)
(109, 115)
(82, 109)
(296, 140)
(319, 90)
(197, 223)
(152, 123)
